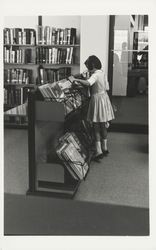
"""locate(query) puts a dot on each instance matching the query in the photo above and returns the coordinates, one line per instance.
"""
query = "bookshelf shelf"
(16, 125)
(20, 64)
(58, 45)
(20, 45)
(58, 65)
(20, 85)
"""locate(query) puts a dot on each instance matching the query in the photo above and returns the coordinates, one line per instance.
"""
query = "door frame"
(119, 127)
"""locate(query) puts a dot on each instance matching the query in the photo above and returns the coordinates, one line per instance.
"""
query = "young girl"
(100, 110)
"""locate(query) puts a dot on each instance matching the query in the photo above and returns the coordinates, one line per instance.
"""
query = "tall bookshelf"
(33, 57)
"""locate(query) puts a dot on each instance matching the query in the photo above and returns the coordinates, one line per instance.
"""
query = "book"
(64, 84)
(53, 36)
(47, 38)
(59, 94)
(52, 91)
(70, 58)
(71, 137)
(40, 34)
(75, 160)
(59, 151)
(73, 36)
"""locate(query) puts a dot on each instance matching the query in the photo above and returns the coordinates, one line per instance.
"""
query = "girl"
(100, 109)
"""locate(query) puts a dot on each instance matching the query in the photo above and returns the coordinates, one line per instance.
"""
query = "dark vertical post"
(40, 20)
(110, 52)
(31, 140)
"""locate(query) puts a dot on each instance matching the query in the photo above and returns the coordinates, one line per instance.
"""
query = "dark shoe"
(97, 158)
(105, 152)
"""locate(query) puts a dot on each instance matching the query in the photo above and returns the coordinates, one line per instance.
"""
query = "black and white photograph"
(76, 124)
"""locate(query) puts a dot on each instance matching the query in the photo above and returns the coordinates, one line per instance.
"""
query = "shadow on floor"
(31, 215)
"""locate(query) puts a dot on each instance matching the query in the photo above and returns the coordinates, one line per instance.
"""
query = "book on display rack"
(61, 91)
(71, 152)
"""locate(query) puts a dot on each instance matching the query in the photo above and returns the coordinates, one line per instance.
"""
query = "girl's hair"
(93, 62)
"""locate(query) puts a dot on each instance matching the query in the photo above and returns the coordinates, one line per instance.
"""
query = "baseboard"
(129, 128)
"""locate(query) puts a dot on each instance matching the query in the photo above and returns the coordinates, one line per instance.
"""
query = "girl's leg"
(96, 128)
(104, 137)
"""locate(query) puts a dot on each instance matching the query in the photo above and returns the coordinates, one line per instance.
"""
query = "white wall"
(122, 22)
(20, 21)
(94, 39)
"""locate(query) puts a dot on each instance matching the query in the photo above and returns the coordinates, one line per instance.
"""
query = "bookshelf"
(35, 57)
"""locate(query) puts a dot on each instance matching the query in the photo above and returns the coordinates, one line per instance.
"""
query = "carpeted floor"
(133, 110)
(120, 179)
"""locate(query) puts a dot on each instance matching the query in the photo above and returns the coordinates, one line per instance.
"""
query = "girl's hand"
(76, 81)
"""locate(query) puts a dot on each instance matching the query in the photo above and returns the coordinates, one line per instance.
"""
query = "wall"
(122, 22)
(94, 39)
(20, 21)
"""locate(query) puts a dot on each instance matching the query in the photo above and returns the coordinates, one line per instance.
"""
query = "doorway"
(128, 71)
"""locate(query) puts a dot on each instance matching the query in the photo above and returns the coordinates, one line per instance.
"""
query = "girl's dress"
(100, 108)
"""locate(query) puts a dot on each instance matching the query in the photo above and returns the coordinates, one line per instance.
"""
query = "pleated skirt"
(100, 108)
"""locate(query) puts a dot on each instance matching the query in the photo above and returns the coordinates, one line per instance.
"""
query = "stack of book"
(17, 55)
(17, 76)
(19, 36)
(56, 36)
(70, 152)
(55, 55)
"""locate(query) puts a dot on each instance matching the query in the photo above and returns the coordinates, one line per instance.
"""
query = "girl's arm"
(84, 82)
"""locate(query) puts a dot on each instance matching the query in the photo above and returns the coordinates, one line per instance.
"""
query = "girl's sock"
(104, 145)
(107, 124)
(98, 148)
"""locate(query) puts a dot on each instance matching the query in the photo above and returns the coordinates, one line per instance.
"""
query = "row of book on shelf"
(51, 35)
(18, 55)
(55, 55)
(43, 55)
(25, 76)
(18, 76)
(60, 91)
(53, 74)
(19, 36)
(72, 153)
(15, 119)
(14, 97)
(20, 110)
(41, 35)
(16, 115)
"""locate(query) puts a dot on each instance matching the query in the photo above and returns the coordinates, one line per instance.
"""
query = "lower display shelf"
(16, 117)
